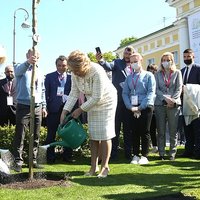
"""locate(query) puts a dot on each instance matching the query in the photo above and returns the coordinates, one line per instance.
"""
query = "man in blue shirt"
(23, 73)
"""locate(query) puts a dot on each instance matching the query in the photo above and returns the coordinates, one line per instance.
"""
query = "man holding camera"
(120, 70)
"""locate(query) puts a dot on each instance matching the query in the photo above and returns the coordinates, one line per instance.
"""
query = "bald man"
(8, 97)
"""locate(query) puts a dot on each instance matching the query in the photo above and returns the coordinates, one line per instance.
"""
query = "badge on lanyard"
(134, 100)
(9, 101)
(60, 91)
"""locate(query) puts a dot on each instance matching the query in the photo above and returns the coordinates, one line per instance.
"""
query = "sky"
(65, 26)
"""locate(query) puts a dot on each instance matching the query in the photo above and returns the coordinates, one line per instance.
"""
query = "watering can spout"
(53, 144)
(59, 143)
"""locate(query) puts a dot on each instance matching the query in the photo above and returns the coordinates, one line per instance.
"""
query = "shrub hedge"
(7, 135)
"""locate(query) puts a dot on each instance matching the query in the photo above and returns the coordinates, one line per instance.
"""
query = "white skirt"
(101, 123)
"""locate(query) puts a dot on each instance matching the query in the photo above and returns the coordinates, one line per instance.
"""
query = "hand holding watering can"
(71, 132)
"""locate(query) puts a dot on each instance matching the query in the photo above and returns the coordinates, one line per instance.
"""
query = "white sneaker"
(143, 160)
(154, 149)
(135, 160)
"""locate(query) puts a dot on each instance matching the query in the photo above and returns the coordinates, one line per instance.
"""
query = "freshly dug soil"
(40, 180)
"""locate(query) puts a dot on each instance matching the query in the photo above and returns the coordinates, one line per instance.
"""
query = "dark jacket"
(118, 74)
(54, 102)
(194, 76)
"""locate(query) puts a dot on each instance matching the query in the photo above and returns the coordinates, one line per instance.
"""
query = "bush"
(7, 135)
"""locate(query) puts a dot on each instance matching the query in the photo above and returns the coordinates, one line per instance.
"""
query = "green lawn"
(124, 182)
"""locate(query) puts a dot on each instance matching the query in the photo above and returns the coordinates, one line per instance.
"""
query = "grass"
(124, 182)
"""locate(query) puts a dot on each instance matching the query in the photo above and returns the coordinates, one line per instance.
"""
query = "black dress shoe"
(161, 158)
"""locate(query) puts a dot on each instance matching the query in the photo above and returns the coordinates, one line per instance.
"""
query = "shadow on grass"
(167, 185)
(177, 196)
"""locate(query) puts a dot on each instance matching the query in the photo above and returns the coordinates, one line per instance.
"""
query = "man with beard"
(8, 97)
(191, 81)
(120, 70)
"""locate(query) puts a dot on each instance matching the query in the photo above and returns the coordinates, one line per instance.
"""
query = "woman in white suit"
(101, 100)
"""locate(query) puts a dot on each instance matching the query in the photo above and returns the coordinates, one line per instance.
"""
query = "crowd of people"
(145, 103)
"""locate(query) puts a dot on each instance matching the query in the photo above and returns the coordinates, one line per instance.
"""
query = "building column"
(183, 38)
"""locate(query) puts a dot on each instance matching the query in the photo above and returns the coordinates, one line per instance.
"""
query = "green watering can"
(71, 132)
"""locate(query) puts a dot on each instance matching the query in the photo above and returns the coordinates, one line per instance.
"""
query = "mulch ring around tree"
(40, 180)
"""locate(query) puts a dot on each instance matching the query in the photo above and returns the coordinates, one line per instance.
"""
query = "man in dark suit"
(120, 70)
(58, 86)
(191, 75)
(8, 97)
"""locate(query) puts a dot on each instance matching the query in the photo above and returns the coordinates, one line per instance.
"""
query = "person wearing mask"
(120, 70)
(57, 88)
(138, 95)
(23, 74)
(8, 97)
(191, 80)
(167, 103)
(153, 131)
(100, 105)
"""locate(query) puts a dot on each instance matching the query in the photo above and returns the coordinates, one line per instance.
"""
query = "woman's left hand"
(77, 113)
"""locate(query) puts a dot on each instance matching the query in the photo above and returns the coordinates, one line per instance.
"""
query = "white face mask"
(166, 64)
(135, 66)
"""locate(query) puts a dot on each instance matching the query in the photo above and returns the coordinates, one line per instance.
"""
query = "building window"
(150, 61)
(175, 53)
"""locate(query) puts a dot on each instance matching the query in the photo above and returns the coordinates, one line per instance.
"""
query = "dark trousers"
(122, 118)
(53, 120)
(153, 132)
(141, 129)
(22, 121)
(7, 117)
(192, 136)
(180, 129)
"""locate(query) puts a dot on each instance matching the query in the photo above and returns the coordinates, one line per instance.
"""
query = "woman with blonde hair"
(100, 105)
(167, 103)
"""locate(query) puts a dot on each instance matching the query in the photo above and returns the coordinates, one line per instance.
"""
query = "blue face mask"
(135, 66)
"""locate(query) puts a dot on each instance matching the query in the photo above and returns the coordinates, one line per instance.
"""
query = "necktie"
(186, 75)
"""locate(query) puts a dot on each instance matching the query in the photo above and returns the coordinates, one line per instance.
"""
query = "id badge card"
(9, 101)
(134, 100)
(60, 91)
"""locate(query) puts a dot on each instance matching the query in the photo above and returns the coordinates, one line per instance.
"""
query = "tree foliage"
(108, 56)
(127, 41)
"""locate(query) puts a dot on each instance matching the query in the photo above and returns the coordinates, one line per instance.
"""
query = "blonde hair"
(136, 54)
(78, 61)
(173, 65)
